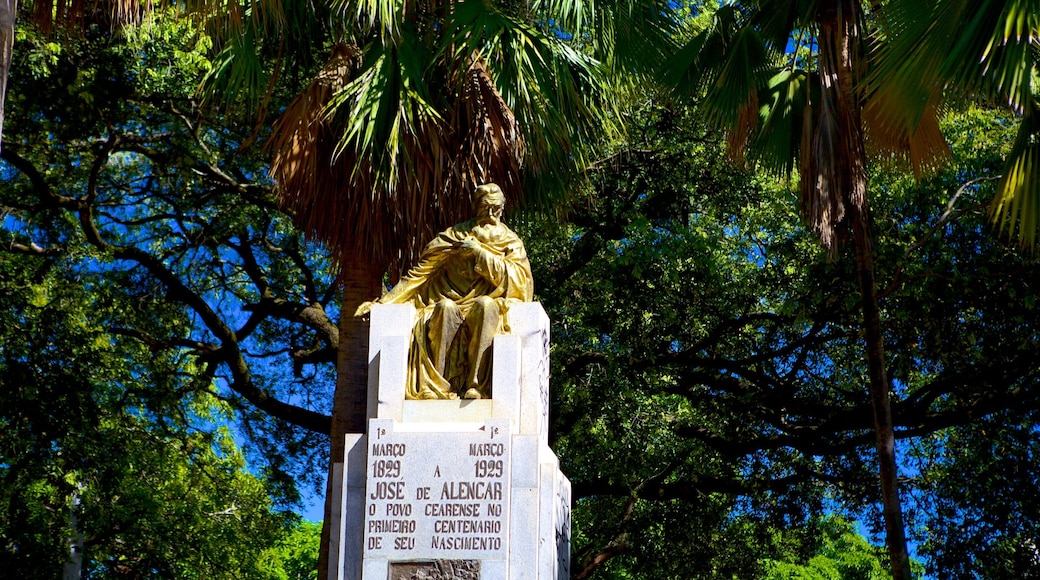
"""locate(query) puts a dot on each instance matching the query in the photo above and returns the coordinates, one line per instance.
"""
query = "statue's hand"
(470, 246)
(364, 309)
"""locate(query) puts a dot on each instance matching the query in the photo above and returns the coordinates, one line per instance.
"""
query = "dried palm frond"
(374, 180)
(835, 183)
(920, 143)
(303, 144)
(490, 146)
(47, 14)
(739, 135)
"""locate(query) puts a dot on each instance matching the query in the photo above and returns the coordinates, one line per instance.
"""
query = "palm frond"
(491, 146)
(381, 17)
(783, 17)
(1008, 58)
(402, 169)
(390, 154)
(778, 140)
(980, 46)
(549, 87)
(257, 44)
(728, 63)
(629, 38)
(906, 77)
(1016, 203)
(985, 48)
(309, 182)
(921, 145)
(238, 73)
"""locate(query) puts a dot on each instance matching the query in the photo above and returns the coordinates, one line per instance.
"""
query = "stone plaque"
(437, 495)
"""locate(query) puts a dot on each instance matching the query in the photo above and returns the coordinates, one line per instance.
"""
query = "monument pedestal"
(454, 489)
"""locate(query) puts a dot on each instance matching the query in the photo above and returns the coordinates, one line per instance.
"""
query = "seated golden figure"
(462, 288)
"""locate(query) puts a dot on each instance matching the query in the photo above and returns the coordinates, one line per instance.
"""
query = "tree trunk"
(8, 12)
(74, 565)
(840, 48)
(879, 400)
(362, 281)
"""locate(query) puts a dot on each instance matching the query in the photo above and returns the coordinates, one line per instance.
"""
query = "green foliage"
(841, 554)
(174, 53)
(295, 557)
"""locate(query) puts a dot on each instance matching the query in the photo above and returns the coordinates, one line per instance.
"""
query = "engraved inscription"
(437, 495)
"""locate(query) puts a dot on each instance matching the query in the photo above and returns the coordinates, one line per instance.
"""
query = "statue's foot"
(472, 394)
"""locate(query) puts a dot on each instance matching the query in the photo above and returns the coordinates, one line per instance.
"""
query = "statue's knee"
(484, 303)
(446, 305)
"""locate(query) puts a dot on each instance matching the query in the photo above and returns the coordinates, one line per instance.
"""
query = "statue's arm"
(510, 268)
(404, 291)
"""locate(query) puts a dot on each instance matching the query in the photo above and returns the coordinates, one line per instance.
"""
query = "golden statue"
(462, 288)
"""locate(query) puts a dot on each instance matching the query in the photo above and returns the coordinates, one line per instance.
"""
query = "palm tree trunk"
(840, 71)
(8, 12)
(362, 281)
(879, 400)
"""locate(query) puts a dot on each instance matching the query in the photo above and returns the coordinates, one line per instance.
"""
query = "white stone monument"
(454, 489)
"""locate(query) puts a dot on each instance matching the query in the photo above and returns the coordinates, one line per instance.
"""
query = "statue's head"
(489, 194)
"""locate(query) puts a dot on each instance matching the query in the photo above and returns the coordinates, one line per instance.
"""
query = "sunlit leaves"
(385, 18)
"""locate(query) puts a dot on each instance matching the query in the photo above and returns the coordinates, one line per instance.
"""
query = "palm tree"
(980, 49)
(786, 78)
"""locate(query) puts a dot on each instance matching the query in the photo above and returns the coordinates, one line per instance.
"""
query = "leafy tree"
(103, 455)
(119, 361)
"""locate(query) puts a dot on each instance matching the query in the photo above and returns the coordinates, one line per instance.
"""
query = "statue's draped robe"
(502, 273)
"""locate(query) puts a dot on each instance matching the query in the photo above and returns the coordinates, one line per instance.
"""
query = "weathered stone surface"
(436, 570)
